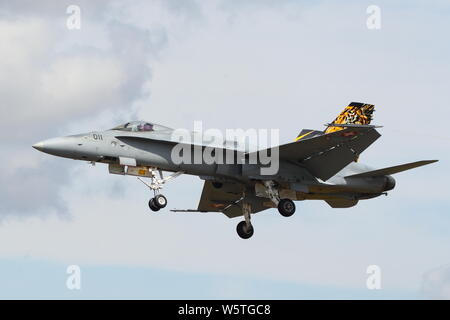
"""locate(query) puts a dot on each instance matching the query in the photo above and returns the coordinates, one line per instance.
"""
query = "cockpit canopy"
(140, 126)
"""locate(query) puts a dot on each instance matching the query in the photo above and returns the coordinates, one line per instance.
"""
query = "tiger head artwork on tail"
(354, 113)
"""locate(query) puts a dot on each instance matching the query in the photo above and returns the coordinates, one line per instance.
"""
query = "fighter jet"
(318, 165)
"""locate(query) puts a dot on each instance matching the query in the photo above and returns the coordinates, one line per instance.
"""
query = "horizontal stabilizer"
(392, 170)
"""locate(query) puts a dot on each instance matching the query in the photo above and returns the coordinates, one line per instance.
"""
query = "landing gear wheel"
(286, 207)
(160, 201)
(243, 230)
(152, 205)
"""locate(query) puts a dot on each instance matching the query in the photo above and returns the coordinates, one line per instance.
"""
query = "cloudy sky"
(282, 64)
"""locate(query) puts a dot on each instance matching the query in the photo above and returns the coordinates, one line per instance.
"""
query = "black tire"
(286, 207)
(160, 201)
(152, 206)
(243, 231)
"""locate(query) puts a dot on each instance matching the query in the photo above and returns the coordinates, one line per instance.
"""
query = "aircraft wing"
(327, 154)
(227, 199)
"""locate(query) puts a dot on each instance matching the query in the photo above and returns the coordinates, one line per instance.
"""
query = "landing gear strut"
(158, 201)
(244, 228)
(286, 207)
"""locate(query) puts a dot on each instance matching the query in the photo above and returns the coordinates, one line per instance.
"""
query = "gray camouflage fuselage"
(153, 149)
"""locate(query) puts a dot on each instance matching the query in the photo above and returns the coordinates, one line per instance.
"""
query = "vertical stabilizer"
(354, 113)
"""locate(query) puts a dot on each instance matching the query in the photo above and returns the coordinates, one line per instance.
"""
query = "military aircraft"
(319, 165)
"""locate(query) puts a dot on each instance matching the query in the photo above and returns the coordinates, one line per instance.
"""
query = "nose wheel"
(152, 205)
(158, 202)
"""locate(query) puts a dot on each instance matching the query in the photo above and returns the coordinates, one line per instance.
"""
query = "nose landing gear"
(152, 205)
(158, 201)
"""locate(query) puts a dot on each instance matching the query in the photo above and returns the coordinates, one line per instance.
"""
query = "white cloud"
(52, 77)
(41, 84)
(77, 85)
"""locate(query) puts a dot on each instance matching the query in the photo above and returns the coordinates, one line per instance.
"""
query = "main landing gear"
(158, 201)
(286, 207)
(244, 228)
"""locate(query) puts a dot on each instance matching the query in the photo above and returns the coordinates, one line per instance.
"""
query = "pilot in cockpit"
(136, 126)
(145, 127)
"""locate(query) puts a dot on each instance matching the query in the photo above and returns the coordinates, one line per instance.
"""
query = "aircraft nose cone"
(62, 146)
(39, 146)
